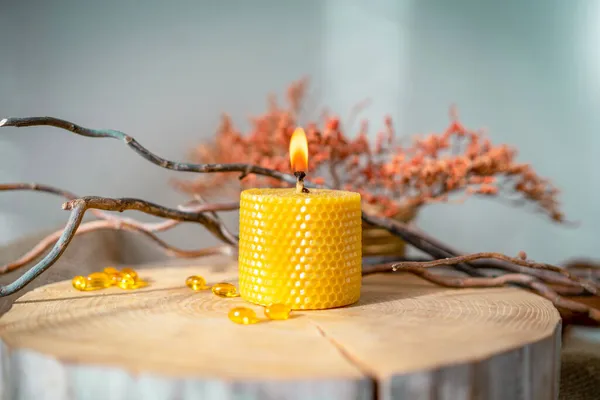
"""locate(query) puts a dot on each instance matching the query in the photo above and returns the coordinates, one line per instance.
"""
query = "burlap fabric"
(580, 369)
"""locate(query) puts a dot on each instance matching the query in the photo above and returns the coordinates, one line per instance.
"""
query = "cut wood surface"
(405, 339)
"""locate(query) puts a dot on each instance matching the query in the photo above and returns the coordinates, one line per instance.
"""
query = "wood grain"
(406, 338)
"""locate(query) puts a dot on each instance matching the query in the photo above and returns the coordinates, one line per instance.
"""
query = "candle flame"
(299, 151)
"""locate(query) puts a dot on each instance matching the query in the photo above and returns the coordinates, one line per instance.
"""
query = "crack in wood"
(347, 355)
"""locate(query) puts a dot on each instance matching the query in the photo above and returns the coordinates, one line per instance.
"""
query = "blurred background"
(163, 72)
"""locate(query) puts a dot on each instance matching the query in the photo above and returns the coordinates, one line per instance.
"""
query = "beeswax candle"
(298, 247)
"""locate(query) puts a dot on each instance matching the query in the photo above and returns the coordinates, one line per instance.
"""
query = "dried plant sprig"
(388, 174)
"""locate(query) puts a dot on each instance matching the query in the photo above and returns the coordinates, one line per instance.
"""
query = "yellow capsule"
(85, 284)
(126, 282)
(114, 274)
(99, 279)
(138, 284)
(111, 270)
(130, 272)
(225, 290)
(196, 283)
(79, 282)
(278, 311)
(243, 316)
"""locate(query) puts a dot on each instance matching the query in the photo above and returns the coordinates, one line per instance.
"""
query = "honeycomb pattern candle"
(300, 247)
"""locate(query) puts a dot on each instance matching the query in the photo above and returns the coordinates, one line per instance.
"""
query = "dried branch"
(150, 227)
(78, 208)
(92, 226)
(120, 205)
(40, 187)
(109, 221)
(60, 246)
(419, 240)
(565, 285)
(139, 149)
(487, 282)
(589, 286)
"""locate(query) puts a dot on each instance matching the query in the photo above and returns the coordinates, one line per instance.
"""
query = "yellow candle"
(300, 249)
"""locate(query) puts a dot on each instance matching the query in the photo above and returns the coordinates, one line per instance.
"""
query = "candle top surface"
(291, 193)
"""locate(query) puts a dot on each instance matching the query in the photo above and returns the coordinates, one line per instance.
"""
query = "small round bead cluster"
(239, 315)
(126, 278)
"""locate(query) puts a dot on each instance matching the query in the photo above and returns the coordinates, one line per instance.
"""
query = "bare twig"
(589, 286)
(567, 286)
(92, 226)
(59, 247)
(40, 187)
(486, 282)
(419, 240)
(109, 221)
(192, 206)
(120, 205)
(138, 148)
(78, 208)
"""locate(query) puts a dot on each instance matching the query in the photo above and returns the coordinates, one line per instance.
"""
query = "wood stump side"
(406, 338)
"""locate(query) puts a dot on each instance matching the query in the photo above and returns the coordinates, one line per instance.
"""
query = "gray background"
(529, 71)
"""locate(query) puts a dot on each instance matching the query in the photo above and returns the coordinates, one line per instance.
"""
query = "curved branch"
(59, 248)
(567, 286)
(78, 208)
(92, 226)
(245, 169)
(589, 286)
(498, 281)
(150, 227)
(419, 240)
(120, 205)
(40, 187)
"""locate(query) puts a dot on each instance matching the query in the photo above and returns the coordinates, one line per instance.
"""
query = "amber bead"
(300, 249)
(196, 283)
(225, 290)
(278, 311)
(243, 315)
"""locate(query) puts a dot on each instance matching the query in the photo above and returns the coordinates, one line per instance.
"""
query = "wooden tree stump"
(405, 339)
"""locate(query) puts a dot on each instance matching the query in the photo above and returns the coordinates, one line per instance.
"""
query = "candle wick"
(300, 175)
